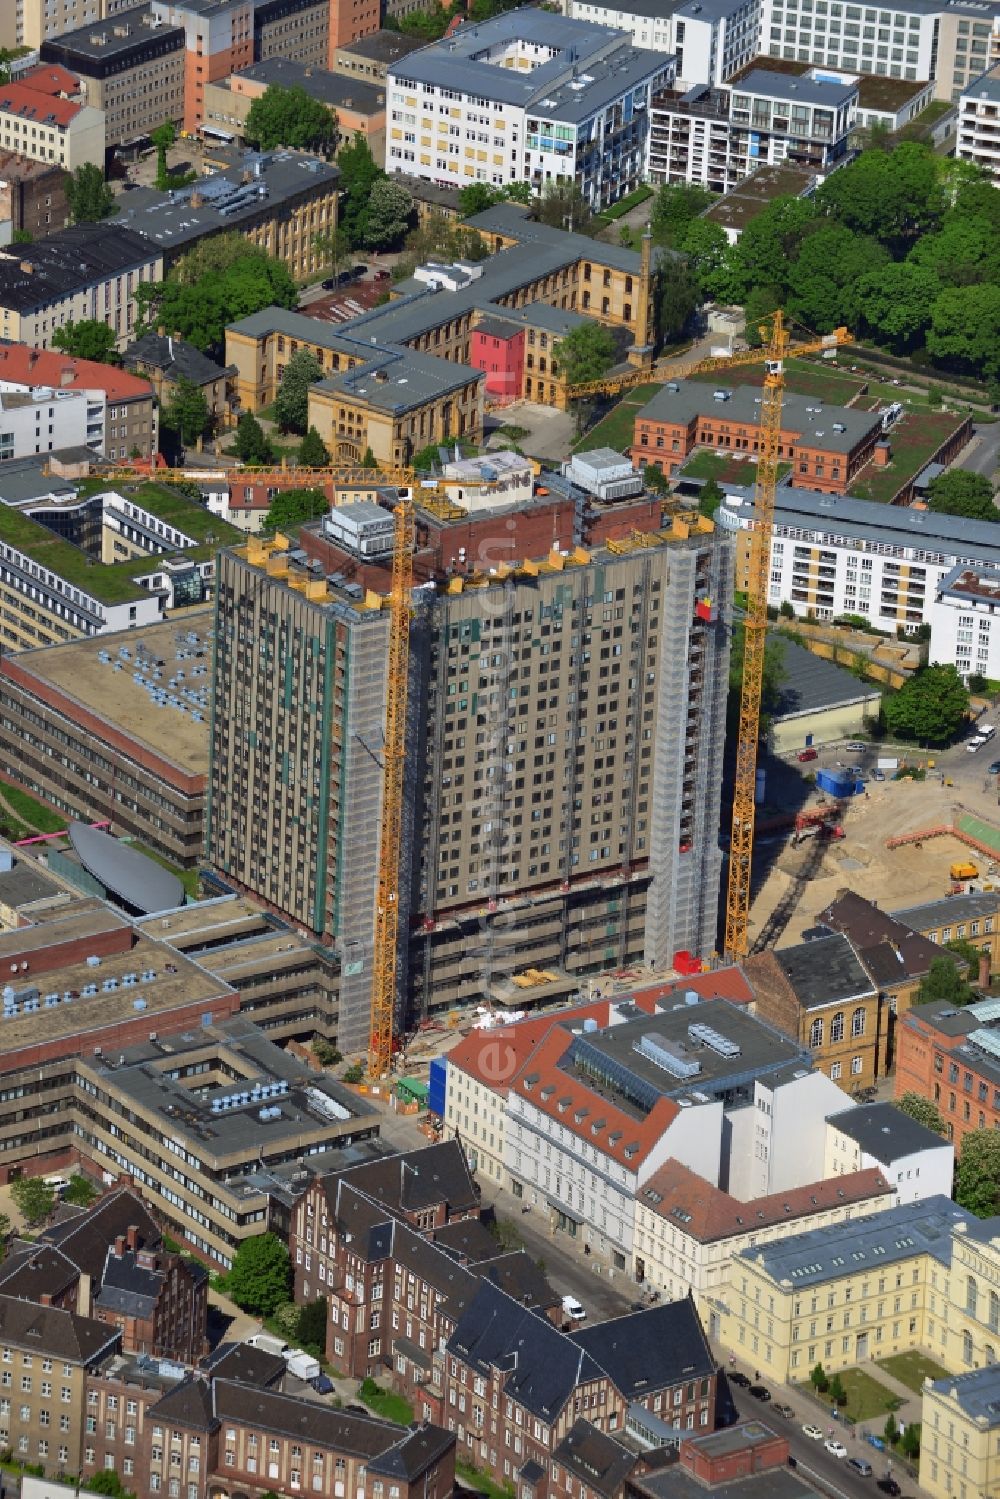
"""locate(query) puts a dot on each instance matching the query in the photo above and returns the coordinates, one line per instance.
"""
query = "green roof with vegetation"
(176, 508)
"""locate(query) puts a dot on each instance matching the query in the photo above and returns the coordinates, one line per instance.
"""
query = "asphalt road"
(984, 457)
(811, 1457)
(569, 1271)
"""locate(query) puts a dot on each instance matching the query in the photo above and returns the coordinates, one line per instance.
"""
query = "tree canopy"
(33, 1198)
(291, 404)
(390, 208)
(293, 506)
(219, 282)
(959, 491)
(675, 208)
(944, 981)
(563, 206)
(88, 196)
(88, 339)
(977, 1175)
(290, 117)
(358, 174)
(930, 707)
(261, 1275)
(923, 1111)
(187, 412)
(313, 451)
(252, 444)
(586, 353)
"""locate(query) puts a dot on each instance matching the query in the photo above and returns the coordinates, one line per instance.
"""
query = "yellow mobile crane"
(775, 351)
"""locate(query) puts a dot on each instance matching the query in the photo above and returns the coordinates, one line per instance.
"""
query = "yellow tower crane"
(776, 350)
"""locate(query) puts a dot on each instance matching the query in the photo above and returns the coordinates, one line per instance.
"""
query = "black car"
(357, 271)
(889, 1486)
(760, 1392)
(330, 284)
(736, 1377)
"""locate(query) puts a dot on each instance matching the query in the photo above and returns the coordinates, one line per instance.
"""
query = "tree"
(187, 413)
(965, 330)
(252, 445)
(33, 1198)
(293, 506)
(311, 1330)
(890, 1430)
(830, 259)
(930, 707)
(944, 981)
(767, 246)
(676, 207)
(563, 206)
(923, 1111)
(5, 1228)
(837, 1392)
(325, 1052)
(895, 196)
(709, 257)
(977, 1175)
(355, 1073)
(106, 1481)
(586, 353)
(358, 174)
(519, 192)
(710, 498)
(291, 404)
(81, 1192)
(290, 117)
(911, 1441)
(163, 138)
(286, 1319)
(426, 458)
(261, 1275)
(818, 1379)
(476, 198)
(390, 206)
(895, 302)
(962, 492)
(88, 339)
(88, 196)
(217, 283)
(312, 450)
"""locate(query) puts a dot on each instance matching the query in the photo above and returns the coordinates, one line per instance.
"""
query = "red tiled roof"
(30, 366)
(496, 1056)
(706, 1213)
(34, 104)
(567, 1096)
(51, 78)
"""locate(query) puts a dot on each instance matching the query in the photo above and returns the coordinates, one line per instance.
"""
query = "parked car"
(357, 271)
(382, 276)
(835, 1448)
(330, 284)
(322, 1384)
(573, 1309)
(812, 1431)
(807, 754)
(760, 1392)
(784, 1410)
(856, 747)
(736, 1376)
(975, 744)
(888, 1485)
(878, 775)
(993, 769)
(860, 1465)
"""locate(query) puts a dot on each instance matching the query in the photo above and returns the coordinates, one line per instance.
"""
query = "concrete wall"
(827, 725)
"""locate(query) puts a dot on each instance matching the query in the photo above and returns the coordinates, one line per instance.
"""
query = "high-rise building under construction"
(568, 675)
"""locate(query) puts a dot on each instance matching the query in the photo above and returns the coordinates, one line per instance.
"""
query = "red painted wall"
(502, 360)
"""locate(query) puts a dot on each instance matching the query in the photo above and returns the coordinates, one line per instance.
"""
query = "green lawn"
(914, 439)
(618, 427)
(31, 811)
(724, 466)
(482, 1481)
(386, 1403)
(912, 1368)
(866, 1398)
(187, 877)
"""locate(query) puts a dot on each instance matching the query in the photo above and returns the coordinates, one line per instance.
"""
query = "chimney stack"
(133, 1236)
(119, 1246)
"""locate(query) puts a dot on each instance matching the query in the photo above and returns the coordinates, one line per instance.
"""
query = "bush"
(355, 1073)
(818, 1379)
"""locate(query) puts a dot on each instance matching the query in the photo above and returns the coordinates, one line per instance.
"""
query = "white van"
(573, 1309)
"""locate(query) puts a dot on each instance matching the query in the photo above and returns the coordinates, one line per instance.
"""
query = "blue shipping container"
(438, 1086)
(835, 783)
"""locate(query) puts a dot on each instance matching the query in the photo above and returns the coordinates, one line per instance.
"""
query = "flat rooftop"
(811, 685)
(382, 46)
(885, 1132)
(101, 41)
(107, 689)
(984, 89)
(837, 429)
(740, 207)
(335, 90)
(874, 92)
(680, 1050)
(957, 908)
(25, 883)
(223, 1110)
(772, 83)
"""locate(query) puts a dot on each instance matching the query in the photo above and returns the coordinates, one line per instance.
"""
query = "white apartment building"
(687, 1232)
(49, 128)
(716, 137)
(39, 419)
(979, 124)
(73, 275)
(526, 96)
(965, 621)
(915, 1161)
(831, 555)
(710, 41)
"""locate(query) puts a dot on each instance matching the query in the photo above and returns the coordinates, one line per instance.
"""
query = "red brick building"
(952, 1058)
(827, 446)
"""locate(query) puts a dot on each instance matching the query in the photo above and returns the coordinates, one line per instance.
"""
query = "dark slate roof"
(36, 1270)
(174, 357)
(809, 684)
(649, 1350)
(79, 256)
(545, 1366)
(823, 972)
(129, 1287)
(367, 1437)
(49, 1330)
(891, 951)
(597, 1459)
(189, 1403)
(245, 1364)
(468, 1239)
(412, 1181)
(885, 1132)
(519, 1275)
(414, 1453)
(84, 1239)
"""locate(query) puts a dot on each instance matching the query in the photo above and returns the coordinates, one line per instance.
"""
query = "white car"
(975, 744)
(835, 1448)
(812, 1431)
(572, 1309)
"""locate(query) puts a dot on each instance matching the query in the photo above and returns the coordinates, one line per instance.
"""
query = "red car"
(807, 754)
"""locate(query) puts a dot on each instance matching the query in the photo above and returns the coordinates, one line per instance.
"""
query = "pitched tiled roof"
(408, 1182)
(414, 1453)
(51, 78)
(891, 951)
(245, 1364)
(129, 1287)
(561, 1096)
(287, 1415)
(47, 1329)
(598, 1460)
(85, 1239)
(34, 104)
(189, 1403)
(48, 367)
(37, 1270)
(654, 1349)
(706, 1213)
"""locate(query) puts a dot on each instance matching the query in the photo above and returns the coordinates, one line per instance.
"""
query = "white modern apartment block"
(915, 1161)
(716, 137)
(526, 96)
(979, 124)
(831, 555)
(965, 621)
(711, 39)
(39, 419)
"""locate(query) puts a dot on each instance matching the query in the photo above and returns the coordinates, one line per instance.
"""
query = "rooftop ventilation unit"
(668, 1054)
(706, 1035)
